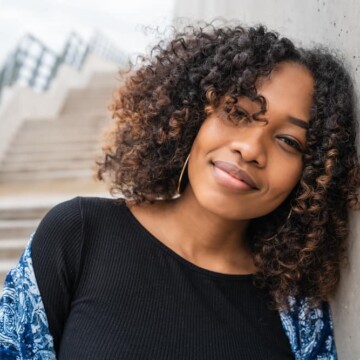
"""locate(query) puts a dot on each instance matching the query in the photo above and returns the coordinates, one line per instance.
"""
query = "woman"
(235, 152)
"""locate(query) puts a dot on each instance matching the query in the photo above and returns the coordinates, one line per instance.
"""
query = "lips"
(236, 172)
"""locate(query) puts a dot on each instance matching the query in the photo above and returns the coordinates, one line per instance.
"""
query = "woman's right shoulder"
(66, 221)
(57, 243)
(80, 208)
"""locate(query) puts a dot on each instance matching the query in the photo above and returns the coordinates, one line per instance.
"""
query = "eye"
(293, 143)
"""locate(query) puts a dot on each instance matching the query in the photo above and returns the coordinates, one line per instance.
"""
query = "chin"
(220, 206)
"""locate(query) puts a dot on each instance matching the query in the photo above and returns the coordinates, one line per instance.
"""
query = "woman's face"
(268, 153)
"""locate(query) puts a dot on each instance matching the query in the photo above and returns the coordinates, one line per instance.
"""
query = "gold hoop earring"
(181, 174)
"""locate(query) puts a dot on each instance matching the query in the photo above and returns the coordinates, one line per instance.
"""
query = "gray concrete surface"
(50, 160)
(334, 24)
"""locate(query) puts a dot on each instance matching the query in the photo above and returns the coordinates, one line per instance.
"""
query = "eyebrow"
(298, 122)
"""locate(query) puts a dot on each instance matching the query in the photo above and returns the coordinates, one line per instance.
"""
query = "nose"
(250, 144)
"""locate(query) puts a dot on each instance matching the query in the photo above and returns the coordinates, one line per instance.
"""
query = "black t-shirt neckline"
(187, 263)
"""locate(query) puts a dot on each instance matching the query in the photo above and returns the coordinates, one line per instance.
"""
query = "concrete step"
(87, 101)
(99, 94)
(59, 147)
(76, 120)
(12, 248)
(15, 229)
(31, 166)
(13, 212)
(5, 266)
(63, 125)
(47, 138)
(86, 104)
(50, 156)
(105, 80)
(80, 121)
(58, 131)
(88, 121)
(51, 148)
(23, 177)
(55, 139)
(18, 194)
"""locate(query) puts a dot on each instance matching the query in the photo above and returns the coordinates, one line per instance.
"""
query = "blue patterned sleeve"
(24, 330)
(310, 330)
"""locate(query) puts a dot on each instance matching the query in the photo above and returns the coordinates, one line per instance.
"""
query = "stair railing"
(35, 65)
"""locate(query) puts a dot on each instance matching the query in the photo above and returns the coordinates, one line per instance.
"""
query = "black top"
(111, 290)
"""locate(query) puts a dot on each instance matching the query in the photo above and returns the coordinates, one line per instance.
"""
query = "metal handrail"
(35, 65)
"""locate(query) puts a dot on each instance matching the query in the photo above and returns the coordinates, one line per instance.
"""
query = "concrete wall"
(335, 24)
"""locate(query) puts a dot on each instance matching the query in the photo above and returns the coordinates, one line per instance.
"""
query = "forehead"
(288, 89)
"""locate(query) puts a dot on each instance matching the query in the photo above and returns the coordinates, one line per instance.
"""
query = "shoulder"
(95, 207)
(73, 212)
(66, 233)
(61, 232)
(63, 220)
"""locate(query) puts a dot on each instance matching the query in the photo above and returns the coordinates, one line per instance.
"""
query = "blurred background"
(59, 63)
(58, 68)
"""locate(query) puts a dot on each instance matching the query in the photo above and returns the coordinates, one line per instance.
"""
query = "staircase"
(16, 224)
(49, 161)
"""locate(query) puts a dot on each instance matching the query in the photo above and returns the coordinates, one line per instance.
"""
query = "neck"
(207, 238)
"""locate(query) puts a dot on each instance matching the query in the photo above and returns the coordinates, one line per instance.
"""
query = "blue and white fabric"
(24, 330)
(310, 330)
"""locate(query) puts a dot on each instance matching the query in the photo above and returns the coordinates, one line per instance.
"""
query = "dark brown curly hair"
(159, 111)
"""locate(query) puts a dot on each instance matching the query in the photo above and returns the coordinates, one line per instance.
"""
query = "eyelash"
(293, 143)
(243, 115)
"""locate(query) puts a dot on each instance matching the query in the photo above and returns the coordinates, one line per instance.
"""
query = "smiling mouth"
(226, 179)
(235, 171)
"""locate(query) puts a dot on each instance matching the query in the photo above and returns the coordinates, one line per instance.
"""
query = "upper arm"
(310, 330)
(56, 254)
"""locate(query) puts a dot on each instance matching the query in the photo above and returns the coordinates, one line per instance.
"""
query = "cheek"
(210, 132)
(207, 140)
(283, 179)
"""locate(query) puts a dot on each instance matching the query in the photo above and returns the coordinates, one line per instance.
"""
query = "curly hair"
(166, 98)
